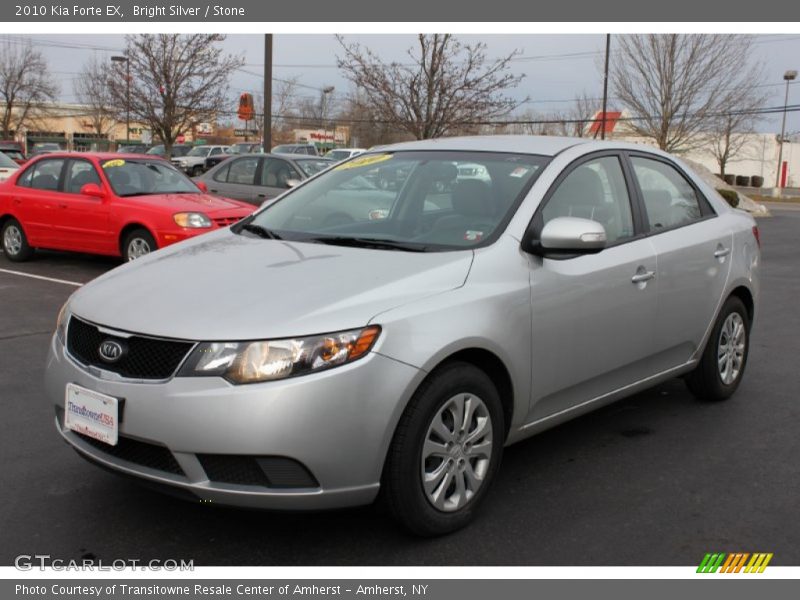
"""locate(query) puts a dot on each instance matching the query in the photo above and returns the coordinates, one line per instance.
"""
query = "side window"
(222, 173)
(243, 171)
(277, 173)
(215, 151)
(595, 190)
(45, 174)
(26, 177)
(669, 200)
(79, 173)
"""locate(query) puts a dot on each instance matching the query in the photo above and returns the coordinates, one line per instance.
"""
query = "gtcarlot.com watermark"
(30, 562)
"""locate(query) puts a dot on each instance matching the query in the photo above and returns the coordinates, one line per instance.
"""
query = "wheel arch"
(746, 296)
(128, 228)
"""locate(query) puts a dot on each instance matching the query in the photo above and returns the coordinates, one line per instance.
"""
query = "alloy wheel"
(457, 452)
(137, 248)
(730, 348)
(12, 240)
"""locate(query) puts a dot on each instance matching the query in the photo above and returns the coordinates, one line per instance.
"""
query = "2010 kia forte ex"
(393, 322)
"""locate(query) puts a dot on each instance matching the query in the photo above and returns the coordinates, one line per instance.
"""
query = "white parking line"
(43, 278)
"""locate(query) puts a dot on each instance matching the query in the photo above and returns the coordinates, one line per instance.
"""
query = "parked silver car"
(257, 178)
(298, 362)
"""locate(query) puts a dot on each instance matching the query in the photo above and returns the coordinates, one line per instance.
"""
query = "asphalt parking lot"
(657, 479)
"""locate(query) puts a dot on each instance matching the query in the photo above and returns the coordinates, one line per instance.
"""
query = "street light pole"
(789, 76)
(124, 59)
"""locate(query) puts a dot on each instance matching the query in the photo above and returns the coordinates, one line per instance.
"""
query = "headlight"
(61, 323)
(251, 362)
(192, 220)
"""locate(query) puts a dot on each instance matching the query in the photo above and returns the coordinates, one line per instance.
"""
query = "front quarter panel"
(491, 311)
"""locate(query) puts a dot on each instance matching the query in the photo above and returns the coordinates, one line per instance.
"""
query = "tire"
(445, 506)
(197, 171)
(15, 242)
(138, 243)
(710, 381)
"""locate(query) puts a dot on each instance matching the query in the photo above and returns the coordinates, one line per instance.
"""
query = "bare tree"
(176, 82)
(671, 85)
(284, 98)
(582, 115)
(25, 83)
(728, 133)
(447, 86)
(92, 90)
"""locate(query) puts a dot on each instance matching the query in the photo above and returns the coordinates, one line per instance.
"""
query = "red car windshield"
(146, 178)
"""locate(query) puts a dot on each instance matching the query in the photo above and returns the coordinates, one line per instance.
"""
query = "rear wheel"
(722, 365)
(138, 243)
(15, 242)
(445, 452)
(197, 171)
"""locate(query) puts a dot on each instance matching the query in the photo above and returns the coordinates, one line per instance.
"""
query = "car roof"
(97, 155)
(525, 144)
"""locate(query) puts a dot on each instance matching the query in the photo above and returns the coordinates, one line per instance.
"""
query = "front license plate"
(91, 413)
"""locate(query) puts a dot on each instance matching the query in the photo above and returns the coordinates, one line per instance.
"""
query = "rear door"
(34, 199)
(693, 256)
(236, 179)
(83, 221)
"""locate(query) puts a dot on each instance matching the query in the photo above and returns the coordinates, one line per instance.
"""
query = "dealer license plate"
(92, 414)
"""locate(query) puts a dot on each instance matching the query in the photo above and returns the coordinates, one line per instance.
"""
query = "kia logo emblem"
(111, 351)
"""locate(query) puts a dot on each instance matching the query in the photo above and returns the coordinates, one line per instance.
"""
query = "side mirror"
(290, 183)
(93, 190)
(202, 186)
(571, 235)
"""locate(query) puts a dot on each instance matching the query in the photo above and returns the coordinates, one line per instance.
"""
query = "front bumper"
(337, 424)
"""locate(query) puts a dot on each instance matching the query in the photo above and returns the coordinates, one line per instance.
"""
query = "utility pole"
(267, 92)
(605, 88)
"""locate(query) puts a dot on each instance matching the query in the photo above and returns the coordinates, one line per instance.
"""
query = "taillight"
(757, 235)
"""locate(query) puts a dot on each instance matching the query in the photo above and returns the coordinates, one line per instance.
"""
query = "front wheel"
(138, 243)
(721, 367)
(15, 242)
(445, 452)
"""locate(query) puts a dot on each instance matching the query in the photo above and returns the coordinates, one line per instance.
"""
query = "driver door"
(594, 314)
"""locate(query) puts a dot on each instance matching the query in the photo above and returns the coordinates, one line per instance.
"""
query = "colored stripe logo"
(735, 562)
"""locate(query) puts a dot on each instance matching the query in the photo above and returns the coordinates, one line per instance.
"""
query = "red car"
(115, 204)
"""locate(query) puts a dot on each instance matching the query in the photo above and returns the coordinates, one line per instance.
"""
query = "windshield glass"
(426, 201)
(338, 154)
(313, 166)
(146, 177)
(199, 151)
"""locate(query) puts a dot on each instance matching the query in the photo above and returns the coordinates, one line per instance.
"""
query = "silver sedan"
(351, 337)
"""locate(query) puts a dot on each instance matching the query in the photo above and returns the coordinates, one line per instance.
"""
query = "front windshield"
(198, 151)
(146, 177)
(338, 154)
(425, 201)
(157, 150)
(313, 166)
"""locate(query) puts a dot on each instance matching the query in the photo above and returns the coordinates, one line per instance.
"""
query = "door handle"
(213, 191)
(62, 205)
(722, 252)
(643, 277)
(262, 195)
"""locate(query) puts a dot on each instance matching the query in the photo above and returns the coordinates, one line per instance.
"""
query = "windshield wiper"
(362, 242)
(260, 231)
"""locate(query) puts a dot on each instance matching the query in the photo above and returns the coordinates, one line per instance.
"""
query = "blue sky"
(556, 67)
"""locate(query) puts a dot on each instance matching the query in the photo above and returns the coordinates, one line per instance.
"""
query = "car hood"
(223, 286)
(194, 202)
